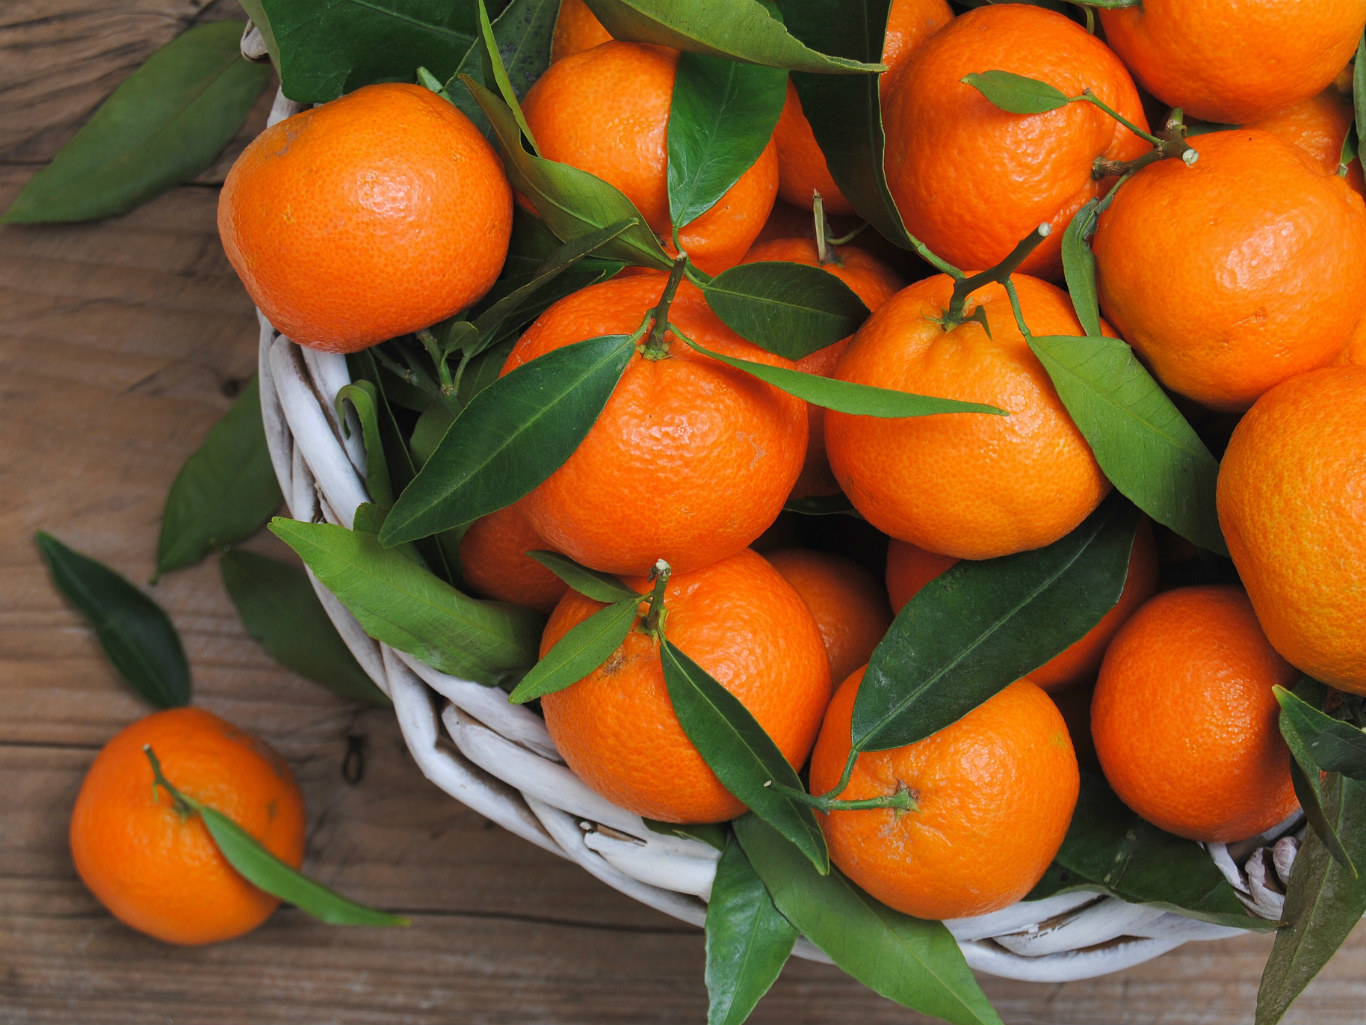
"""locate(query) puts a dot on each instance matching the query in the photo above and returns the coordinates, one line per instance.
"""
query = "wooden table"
(122, 343)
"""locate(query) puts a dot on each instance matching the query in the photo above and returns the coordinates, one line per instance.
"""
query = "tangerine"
(494, 562)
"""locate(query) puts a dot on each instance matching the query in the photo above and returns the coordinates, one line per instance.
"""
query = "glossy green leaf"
(513, 435)
(264, 870)
(324, 50)
(164, 124)
(572, 202)
(914, 962)
(135, 633)
(721, 118)
(791, 309)
(280, 609)
(401, 604)
(362, 397)
(743, 757)
(747, 940)
(742, 29)
(1359, 88)
(1324, 902)
(844, 111)
(521, 32)
(1079, 267)
(981, 625)
(1016, 94)
(1110, 849)
(847, 396)
(713, 834)
(591, 583)
(224, 493)
(1144, 445)
(1331, 744)
(584, 647)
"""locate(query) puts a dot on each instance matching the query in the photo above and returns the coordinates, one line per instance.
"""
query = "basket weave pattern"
(497, 759)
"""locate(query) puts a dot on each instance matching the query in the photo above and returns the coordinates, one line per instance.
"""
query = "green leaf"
(570, 201)
(1110, 849)
(399, 603)
(264, 870)
(324, 50)
(742, 29)
(1331, 744)
(721, 118)
(713, 834)
(591, 583)
(1359, 88)
(1323, 902)
(1016, 94)
(791, 309)
(513, 435)
(362, 396)
(164, 124)
(224, 493)
(136, 634)
(521, 33)
(1079, 267)
(1144, 445)
(747, 940)
(583, 648)
(981, 625)
(280, 609)
(845, 111)
(847, 396)
(914, 962)
(743, 757)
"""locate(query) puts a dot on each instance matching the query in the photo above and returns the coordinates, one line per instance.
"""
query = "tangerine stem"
(655, 345)
(443, 369)
(900, 800)
(184, 805)
(653, 621)
(965, 286)
(1089, 97)
(1171, 143)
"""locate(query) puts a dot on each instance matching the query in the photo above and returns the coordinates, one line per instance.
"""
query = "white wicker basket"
(497, 759)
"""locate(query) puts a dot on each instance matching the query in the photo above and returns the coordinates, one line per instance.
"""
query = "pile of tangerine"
(1237, 274)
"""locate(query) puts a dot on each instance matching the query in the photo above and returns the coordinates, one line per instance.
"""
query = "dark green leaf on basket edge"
(264, 870)
(324, 50)
(981, 625)
(135, 633)
(742, 29)
(513, 435)
(791, 309)
(362, 397)
(522, 34)
(1323, 902)
(721, 117)
(848, 396)
(225, 491)
(1079, 267)
(747, 940)
(1110, 849)
(572, 202)
(164, 124)
(743, 757)
(1143, 444)
(591, 583)
(279, 608)
(583, 648)
(713, 834)
(1016, 94)
(917, 963)
(845, 111)
(399, 603)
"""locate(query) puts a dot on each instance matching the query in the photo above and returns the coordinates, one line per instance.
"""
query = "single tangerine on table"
(1230, 62)
(606, 111)
(872, 281)
(374, 215)
(972, 180)
(689, 461)
(972, 485)
(743, 623)
(1184, 719)
(1291, 498)
(848, 601)
(993, 796)
(160, 873)
(1234, 272)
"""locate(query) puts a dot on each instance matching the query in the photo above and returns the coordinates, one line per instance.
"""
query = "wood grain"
(121, 342)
